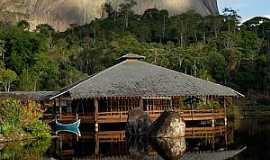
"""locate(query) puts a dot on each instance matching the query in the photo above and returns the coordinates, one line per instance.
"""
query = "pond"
(247, 138)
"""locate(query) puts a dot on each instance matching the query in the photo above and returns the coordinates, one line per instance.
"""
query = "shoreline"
(20, 139)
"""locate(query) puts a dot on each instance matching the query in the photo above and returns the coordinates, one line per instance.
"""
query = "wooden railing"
(119, 136)
(205, 114)
(112, 117)
(111, 136)
(188, 115)
(70, 117)
(197, 132)
(122, 116)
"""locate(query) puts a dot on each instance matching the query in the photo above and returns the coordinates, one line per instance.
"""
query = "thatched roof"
(30, 95)
(135, 78)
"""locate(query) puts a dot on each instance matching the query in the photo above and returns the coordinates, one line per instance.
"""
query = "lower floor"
(210, 111)
(122, 117)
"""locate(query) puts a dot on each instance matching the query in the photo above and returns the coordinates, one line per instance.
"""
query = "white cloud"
(267, 16)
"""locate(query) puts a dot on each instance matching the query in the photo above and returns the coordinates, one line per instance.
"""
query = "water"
(252, 132)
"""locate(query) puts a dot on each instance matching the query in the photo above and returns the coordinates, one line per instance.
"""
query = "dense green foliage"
(21, 121)
(216, 48)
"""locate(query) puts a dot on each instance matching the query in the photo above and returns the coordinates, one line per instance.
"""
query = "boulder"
(138, 122)
(169, 148)
(168, 125)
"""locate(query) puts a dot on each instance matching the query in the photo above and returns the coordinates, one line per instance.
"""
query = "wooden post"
(60, 108)
(96, 146)
(225, 111)
(96, 114)
(171, 104)
(141, 103)
(213, 123)
(54, 109)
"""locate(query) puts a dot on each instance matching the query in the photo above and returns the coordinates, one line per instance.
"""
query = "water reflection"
(169, 148)
(25, 150)
(114, 144)
(138, 147)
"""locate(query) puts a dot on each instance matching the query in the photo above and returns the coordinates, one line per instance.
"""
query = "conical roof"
(135, 78)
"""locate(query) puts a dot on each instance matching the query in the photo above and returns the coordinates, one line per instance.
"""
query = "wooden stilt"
(141, 103)
(60, 108)
(96, 115)
(171, 104)
(96, 146)
(225, 111)
(54, 109)
(213, 123)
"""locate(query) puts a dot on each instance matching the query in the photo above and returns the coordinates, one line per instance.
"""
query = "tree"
(2, 49)
(45, 29)
(28, 80)
(23, 48)
(126, 10)
(109, 9)
(7, 77)
(232, 19)
(23, 25)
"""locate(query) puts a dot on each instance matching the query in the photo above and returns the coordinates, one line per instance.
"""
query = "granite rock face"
(62, 13)
(138, 122)
(168, 125)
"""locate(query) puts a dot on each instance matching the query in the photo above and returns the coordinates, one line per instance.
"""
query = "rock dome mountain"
(62, 13)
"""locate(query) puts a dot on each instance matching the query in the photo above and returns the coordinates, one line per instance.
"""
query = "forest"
(218, 48)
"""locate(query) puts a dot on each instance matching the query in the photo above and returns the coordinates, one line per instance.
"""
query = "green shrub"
(6, 129)
(10, 112)
(38, 129)
(18, 121)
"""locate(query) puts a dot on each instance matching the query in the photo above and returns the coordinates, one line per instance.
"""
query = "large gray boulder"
(168, 125)
(169, 148)
(138, 122)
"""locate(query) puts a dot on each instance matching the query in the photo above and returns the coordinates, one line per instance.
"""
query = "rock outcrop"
(138, 122)
(168, 125)
(61, 14)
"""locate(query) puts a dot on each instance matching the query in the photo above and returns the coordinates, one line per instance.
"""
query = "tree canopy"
(216, 48)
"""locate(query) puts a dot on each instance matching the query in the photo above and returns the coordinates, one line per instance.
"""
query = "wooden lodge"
(108, 96)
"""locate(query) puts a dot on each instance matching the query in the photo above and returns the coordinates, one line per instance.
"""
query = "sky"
(247, 8)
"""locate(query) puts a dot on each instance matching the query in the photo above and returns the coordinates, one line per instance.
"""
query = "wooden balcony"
(188, 115)
(122, 117)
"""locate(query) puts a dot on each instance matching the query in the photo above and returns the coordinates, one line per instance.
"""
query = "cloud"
(267, 16)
